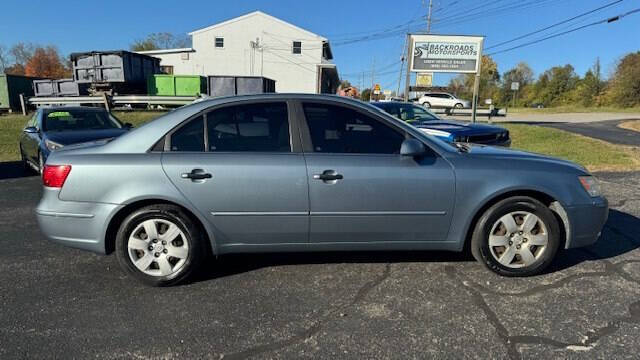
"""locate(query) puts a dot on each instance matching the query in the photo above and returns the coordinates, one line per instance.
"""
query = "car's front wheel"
(518, 236)
(160, 245)
(426, 104)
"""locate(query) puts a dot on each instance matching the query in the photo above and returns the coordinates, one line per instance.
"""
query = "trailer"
(176, 85)
(239, 85)
(11, 86)
(114, 72)
(60, 87)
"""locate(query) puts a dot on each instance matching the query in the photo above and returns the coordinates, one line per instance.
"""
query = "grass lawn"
(593, 154)
(572, 109)
(631, 125)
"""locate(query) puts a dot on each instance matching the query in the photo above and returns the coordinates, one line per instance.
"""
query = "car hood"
(461, 128)
(508, 154)
(82, 136)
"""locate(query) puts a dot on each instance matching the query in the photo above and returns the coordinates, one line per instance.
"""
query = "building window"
(166, 69)
(219, 42)
(297, 47)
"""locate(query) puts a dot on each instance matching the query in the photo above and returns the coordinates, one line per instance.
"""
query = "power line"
(492, 12)
(603, 21)
(554, 25)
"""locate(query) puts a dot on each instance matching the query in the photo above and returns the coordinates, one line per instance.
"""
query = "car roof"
(145, 136)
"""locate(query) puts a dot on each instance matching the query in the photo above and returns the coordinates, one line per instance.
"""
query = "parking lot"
(57, 301)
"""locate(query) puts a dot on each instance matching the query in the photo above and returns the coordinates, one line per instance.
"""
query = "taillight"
(55, 175)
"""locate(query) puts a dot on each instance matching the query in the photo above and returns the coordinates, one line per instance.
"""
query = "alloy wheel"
(518, 239)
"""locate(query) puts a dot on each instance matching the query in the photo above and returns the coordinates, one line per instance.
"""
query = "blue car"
(55, 127)
(450, 131)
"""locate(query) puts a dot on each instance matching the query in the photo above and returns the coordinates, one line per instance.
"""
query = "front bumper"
(81, 225)
(587, 222)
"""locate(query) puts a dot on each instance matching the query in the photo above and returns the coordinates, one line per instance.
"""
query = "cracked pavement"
(60, 302)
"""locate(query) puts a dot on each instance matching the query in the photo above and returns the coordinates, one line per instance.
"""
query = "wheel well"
(540, 196)
(116, 220)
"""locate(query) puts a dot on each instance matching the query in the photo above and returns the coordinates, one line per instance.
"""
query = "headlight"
(52, 145)
(590, 185)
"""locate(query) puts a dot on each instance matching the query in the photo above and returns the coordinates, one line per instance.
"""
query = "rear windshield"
(70, 120)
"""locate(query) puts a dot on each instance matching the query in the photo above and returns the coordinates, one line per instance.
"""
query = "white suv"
(443, 100)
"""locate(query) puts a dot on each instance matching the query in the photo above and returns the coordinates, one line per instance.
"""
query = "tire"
(426, 104)
(160, 261)
(529, 250)
(458, 106)
(26, 168)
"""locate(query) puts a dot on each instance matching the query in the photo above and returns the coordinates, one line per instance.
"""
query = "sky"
(108, 25)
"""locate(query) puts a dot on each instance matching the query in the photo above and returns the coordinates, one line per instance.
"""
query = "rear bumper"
(587, 222)
(80, 225)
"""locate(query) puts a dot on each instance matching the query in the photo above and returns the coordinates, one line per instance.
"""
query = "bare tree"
(4, 58)
(163, 40)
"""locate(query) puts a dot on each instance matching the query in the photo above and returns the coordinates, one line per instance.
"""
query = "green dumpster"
(176, 85)
(11, 86)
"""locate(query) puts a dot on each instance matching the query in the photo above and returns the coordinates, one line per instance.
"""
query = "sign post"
(445, 54)
(515, 86)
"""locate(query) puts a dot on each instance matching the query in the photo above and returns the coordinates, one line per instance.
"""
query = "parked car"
(443, 100)
(282, 172)
(52, 128)
(447, 130)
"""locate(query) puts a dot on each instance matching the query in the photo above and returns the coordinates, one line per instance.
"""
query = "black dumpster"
(239, 85)
(61, 87)
(114, 72)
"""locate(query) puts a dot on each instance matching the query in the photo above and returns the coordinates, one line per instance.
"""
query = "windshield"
(78, 119)
(415, 113)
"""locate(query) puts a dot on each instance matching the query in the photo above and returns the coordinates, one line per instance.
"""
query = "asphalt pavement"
(57, 302)
(603, 130)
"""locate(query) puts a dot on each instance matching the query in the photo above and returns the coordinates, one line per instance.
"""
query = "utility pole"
(373, 72)
(402, 59)
(429, 17)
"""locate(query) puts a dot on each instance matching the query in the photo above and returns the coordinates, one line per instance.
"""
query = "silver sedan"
(309, 173)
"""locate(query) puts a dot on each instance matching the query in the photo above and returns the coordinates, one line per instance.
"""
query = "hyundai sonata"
(280, 172)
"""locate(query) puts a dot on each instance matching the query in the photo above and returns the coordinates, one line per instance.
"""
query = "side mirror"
(30, 130)
(128, 125)
(412, 147)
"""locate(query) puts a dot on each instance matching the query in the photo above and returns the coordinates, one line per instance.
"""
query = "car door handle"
(197, 174)
(328, 175)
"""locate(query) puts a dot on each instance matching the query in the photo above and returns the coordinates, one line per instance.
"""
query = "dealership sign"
(444, 53)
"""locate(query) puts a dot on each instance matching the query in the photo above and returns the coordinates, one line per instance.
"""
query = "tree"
(46, 62)
(161, 40)
(344, 84)
(555, 85)
(624, 88)
(20, 53)
(521, 74)
(365, 95)
(462, 85)
(4, 58)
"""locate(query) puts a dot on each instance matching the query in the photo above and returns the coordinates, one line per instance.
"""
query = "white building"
(257, 44)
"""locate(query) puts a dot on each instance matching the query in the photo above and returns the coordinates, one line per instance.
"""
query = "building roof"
(166, 51)
(256, 13)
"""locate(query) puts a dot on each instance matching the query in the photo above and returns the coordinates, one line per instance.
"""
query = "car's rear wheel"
(426, 104)
(518, 236)
(160, 245)
(26, 167)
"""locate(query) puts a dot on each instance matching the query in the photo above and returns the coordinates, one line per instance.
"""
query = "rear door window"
(189, 137)
(261, 127)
